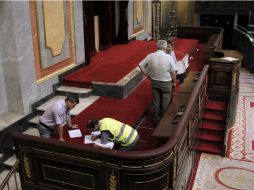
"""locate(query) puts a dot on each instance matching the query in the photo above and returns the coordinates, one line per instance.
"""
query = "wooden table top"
(188, 84)
(165, 128)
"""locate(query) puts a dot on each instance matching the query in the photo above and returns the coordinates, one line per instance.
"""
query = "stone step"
(8, 119)
(83, 104)
(34, 121)
(32, 131)
(9, 163)
(69, 90)
(122, 88)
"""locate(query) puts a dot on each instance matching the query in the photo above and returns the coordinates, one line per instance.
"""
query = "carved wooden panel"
(223, 75)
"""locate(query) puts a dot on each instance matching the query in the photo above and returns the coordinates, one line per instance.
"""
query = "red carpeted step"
(208, 148)
(216, 105)
(209, 137)
(112, 64)
(212, 126)
(212, 115)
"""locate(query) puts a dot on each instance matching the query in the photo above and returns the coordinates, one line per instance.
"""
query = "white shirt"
(158, 66)
(56, 114)
(173, 55)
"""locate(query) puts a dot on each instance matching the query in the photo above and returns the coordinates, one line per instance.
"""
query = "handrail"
(245, 32)
(219, 38)
(226, 128)
(194, 96)
(7, 178)
(243, 29)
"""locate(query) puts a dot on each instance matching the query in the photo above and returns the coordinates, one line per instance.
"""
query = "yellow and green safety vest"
(122, 133)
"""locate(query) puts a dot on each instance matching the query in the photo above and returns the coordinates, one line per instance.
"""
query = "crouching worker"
(56, 116)
(112, 130)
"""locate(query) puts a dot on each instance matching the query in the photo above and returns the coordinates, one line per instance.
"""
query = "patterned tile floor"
(236, 170)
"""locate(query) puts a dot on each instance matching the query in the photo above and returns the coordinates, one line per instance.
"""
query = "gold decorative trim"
(136, 34)
(146, 166)
(112, 181)
(127, 166)
(112, 178)
(147, 181)
(64, 155)
(72, 33)
(55, 73)
(43, 168)
(175, 167)
(27, 169)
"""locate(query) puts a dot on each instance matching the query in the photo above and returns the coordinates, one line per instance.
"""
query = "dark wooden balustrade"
(52, 164)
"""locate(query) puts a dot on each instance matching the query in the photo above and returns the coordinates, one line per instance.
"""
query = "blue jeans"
(45, 132)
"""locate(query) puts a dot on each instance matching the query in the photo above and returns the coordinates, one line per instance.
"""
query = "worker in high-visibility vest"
(122, 134)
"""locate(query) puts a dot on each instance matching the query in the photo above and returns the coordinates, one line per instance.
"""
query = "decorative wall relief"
(53, 14)
(53, 37)
(139, 10)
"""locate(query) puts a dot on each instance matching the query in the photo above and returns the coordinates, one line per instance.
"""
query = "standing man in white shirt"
(160, 68)
(180, 65)
(56, 116)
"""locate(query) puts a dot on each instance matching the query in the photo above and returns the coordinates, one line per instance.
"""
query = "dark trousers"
(161, 98)
(180, 77)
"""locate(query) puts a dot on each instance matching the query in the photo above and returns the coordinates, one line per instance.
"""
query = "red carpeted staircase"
(210, 135)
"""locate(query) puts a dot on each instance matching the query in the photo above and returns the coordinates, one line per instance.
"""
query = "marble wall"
(10, 58)
(18, 87)
(3, 100)
(79, 32)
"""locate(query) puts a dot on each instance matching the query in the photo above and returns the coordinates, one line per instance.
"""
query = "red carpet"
(183, 46)
(216, 105)
(111, 65)
(212, 126)
(212, 115)
(210, 136)
(208, 148)
(197, 59)
(128, 110)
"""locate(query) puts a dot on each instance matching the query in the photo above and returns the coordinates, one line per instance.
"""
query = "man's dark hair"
(72, 98)
(171, 42)
(91, 123)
